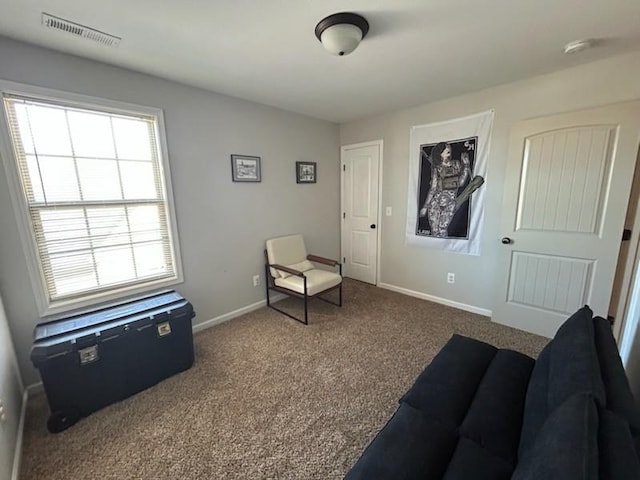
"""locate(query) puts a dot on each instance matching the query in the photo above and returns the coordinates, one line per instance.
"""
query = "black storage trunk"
(91, 360)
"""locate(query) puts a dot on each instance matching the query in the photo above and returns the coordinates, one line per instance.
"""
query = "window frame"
(45, 305)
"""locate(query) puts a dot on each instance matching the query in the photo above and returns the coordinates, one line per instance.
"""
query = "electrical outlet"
(256, 280)
(3, 416)
(451, 277)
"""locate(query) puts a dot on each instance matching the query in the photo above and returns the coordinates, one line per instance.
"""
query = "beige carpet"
(267, 398)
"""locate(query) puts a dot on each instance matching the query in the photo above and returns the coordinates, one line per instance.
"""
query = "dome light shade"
(341, 33)
(341, 39)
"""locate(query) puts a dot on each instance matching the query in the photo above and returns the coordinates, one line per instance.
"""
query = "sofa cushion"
(617, 456)
(445, 389)
(494, 420)
(535, 407)
(575, 341)
(411, 446)
(566, 446)
(567, 365)
(471, 461)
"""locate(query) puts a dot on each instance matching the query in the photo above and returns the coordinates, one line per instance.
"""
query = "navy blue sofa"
(482, 413)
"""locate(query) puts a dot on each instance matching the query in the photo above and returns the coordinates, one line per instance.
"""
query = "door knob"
(506, 240)
(373, 225)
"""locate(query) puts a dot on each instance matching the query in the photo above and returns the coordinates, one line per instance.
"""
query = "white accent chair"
(290, 270)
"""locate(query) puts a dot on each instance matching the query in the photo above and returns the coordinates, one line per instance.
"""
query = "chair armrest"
(326, 261)
(297, 273)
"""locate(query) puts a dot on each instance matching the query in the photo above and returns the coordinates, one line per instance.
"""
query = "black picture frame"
(306, 172)
(245, 168)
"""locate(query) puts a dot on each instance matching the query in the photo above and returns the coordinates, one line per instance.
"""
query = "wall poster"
(448, 163)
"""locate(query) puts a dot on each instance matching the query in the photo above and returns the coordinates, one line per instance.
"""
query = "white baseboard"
(432, 298)
(17, 455)
(198, 327)
(34, 389)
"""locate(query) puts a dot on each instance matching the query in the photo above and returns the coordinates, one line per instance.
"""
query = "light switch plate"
(388, 211)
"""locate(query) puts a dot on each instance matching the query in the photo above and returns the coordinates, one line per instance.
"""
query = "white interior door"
(360, 174)
(566, 192)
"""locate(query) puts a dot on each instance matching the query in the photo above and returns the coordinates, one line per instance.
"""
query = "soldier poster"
(447, 183)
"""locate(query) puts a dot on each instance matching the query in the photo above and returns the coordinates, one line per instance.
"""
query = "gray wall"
(11, 396)
(424, 271)
(222, 225)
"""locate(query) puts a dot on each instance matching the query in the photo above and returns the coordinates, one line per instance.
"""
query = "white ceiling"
(416, 51)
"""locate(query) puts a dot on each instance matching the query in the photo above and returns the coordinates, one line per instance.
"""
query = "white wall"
(11, 392)
(222, 225)
(424, 271)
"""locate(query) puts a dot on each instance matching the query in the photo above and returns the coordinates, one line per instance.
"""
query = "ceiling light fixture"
(341, 33)
(577, 46)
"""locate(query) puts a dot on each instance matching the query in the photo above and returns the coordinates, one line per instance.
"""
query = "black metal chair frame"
(270, 285)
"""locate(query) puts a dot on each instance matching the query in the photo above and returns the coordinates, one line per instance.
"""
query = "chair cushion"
(301, 267)
(284, 251)
(317, 281)
(566, 446)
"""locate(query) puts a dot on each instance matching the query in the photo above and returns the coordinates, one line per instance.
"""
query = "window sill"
(62, 308)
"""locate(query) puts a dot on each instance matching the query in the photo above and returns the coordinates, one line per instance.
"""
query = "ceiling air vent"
(57, 23)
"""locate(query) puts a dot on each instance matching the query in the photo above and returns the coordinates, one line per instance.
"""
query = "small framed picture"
(305, 172)
(245, 168)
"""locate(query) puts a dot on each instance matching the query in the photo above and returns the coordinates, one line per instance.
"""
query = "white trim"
(342, 212)
(380, 214)
(17, 454)
(630, 321)
(35, 388)
(432, 298)
(626, 312)
(108, 105)
(46, 307)
(94, 300)
(373, 143)
(198, 327)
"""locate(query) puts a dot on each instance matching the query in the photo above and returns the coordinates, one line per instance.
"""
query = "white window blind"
(94, 190)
